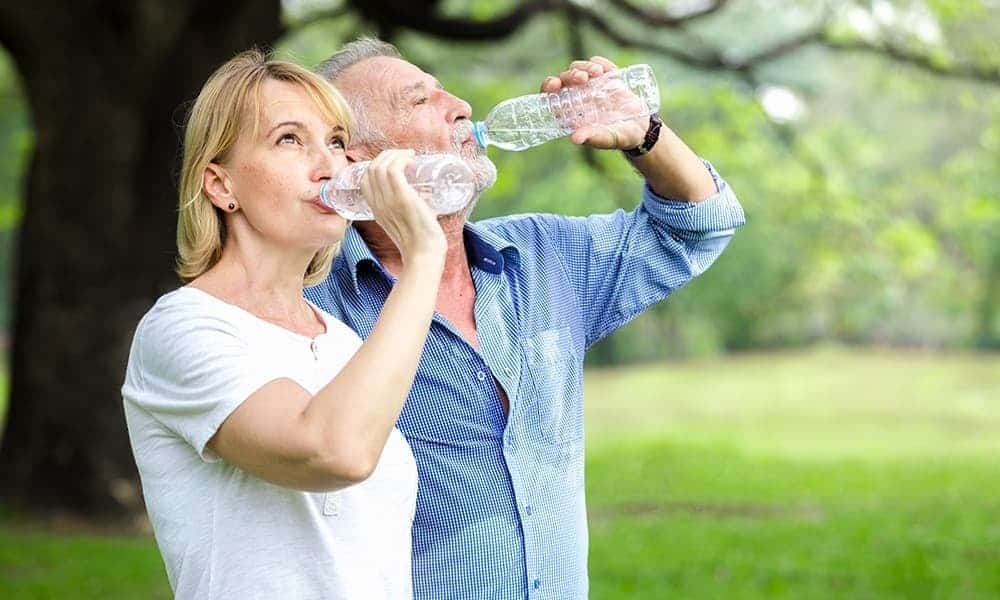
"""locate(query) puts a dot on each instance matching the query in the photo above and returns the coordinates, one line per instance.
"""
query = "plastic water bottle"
(444, 181)
(527, 121)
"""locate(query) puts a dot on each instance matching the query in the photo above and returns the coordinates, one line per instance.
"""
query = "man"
(495, 416)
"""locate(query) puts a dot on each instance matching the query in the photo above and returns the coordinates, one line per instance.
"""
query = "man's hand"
(618, 136)
(671, 169)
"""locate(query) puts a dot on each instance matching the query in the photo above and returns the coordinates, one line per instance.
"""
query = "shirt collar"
(355, 252)
(486, 250)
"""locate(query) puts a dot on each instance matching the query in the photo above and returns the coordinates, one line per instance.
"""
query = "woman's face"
(276, 177)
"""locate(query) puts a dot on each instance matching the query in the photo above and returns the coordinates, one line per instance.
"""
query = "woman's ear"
(217, 186)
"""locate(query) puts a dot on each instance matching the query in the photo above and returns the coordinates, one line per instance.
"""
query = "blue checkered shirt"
(500, 506)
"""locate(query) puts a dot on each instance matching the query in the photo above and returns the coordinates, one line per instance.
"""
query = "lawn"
(819, 474)
(824, 474)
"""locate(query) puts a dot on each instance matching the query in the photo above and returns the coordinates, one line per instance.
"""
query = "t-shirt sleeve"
(190, 371)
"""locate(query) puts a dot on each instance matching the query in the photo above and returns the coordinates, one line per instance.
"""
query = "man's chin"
(484, 173)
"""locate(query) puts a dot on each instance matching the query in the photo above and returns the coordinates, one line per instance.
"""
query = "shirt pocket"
(554, 404)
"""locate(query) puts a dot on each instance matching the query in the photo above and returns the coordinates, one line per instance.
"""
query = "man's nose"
(458, 109)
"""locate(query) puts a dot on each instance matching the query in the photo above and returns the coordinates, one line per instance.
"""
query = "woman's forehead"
(289, 101)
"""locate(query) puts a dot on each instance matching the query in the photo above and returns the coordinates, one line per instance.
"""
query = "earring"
(232, 206)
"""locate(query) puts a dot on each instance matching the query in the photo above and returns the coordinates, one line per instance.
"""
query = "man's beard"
(483, 170)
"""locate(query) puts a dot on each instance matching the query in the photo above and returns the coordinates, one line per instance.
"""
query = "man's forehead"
(392, 76)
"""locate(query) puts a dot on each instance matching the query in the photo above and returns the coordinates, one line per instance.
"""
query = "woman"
(263, 427)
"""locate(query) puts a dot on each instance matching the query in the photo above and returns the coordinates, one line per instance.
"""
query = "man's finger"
(586, 134)
(574, 77)
(551, 84)
(605, 63)
(593, 69)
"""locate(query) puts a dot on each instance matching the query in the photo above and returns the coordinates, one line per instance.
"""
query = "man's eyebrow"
(420, 86)
(404, 93)
(414, 87)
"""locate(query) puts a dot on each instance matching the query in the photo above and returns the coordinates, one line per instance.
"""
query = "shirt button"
(481, 375)
(528, 510)
(537, 584)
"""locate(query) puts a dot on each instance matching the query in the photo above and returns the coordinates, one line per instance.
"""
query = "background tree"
(106, 83)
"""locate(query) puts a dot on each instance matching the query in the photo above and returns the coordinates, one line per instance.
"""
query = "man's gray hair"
(352, 53)
(331, 69)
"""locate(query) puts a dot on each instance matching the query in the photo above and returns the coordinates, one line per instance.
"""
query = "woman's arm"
(334, 439)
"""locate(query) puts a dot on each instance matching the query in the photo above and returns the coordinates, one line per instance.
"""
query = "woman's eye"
(338, 143)
(422, 100)
(288, 138)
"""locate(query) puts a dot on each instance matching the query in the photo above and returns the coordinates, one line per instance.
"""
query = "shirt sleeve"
(190, 372)
(621, 263)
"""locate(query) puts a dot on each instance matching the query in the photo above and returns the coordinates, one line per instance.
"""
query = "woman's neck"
(264, 281)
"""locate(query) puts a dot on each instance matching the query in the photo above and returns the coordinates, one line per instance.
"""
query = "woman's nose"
(326, 163)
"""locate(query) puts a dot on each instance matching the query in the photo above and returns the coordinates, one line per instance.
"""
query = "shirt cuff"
(719, 212)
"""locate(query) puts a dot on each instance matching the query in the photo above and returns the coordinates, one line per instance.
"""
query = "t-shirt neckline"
(247, 314)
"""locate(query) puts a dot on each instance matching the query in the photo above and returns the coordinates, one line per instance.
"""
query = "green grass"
(46, 565)
(819, 475)
(822, 474)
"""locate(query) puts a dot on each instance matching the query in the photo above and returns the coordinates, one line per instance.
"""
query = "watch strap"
(652, 134)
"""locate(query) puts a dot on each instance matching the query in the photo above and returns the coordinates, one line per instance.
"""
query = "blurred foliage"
(873, 214)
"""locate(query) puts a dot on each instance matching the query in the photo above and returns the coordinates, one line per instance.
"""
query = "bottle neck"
(479, 133)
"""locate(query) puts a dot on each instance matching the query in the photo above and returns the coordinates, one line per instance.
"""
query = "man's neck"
(457, 292)
(456, 263)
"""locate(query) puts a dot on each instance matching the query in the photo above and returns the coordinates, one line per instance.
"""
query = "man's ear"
(217, 186)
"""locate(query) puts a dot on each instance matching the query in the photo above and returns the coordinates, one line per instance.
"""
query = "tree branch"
(967, 71)
(321, 15)
(715, 60)
(421, 17)
(598, 22)
(662, 19)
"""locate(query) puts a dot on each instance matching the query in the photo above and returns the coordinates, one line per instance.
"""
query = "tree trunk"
(108, 85)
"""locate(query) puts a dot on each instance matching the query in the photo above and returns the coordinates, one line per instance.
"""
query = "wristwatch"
(652, 134)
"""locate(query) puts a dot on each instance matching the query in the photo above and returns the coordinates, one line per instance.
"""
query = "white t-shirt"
(224, 533)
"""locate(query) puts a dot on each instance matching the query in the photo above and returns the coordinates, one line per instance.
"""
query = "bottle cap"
(479, 132)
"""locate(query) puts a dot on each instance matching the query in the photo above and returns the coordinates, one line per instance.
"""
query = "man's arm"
(671, 168)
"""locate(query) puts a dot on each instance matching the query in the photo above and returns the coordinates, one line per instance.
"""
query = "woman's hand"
(400, 210)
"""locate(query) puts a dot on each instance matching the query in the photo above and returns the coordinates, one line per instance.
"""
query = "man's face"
(413, 110)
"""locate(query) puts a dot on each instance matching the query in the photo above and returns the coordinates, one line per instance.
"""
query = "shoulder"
(532, 225)
(183, 316)
(528, 229)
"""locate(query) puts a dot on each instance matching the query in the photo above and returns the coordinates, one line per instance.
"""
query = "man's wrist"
(652, 136)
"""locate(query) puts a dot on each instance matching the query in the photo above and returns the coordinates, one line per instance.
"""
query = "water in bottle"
(527, 121)
(444, 181)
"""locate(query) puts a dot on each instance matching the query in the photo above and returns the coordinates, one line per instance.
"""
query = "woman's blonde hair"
(228, 106)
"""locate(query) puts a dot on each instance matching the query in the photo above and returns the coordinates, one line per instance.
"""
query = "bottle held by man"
(526, 121)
